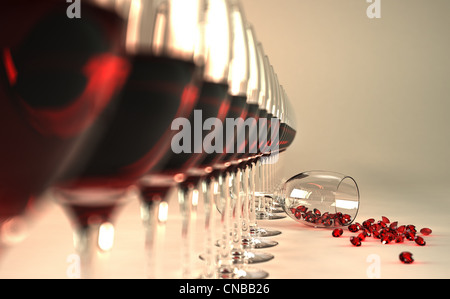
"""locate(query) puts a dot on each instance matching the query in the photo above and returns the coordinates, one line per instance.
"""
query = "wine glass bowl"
(51, 95)
(321, 198)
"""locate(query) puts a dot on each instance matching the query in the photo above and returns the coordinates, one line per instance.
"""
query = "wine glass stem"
(253, 225)
(149, 219)
(209, 266)
(261, 188)
(246, 209)
(86, 246)
(237, 252)
(225, 265)
(185, 202)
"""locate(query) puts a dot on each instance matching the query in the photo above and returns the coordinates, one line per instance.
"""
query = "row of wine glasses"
(96, 122)
(109, 106)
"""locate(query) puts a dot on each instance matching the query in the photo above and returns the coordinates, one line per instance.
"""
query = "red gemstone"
(298, 214)
(399, 238)
(337, 232)
(362, 236)
(375, 227)
(420, 241)
(355, 241)
(376, 234)
(411, 228)
(327, 221)
(302, 209)
(401, 229)
(367, 224)
(406, 257)
(353, 228)
(393, 225)
(425, 231)
(385, 219)
(317, 212)
(410, 235)
(382, 224)
(385, 240)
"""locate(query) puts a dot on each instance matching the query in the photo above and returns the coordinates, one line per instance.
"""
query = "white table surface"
(302, 252)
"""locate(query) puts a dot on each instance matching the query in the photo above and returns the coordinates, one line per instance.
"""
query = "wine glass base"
(270, 217)
(263, 243)
(252, 257)
(268, 233)
(246, 272)
(258, 243)
(259, 257)
(251, 273)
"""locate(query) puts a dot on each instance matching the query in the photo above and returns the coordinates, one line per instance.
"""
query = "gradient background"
(371, 95)
(372, 99)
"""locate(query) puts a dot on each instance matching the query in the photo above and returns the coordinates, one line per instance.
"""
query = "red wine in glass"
(157, 90)
(287, 136)
(182, 170)
(56, 79)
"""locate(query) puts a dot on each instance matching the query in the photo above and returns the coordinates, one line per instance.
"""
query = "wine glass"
(162, 85)
(267, 148)
(321, 198)
(270, 160)
(191, 156)
(50, 97)
(279, 110)
(288, 132)
(255, 95)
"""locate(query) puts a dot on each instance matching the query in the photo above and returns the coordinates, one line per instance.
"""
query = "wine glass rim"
(342, 177)
(345, 177)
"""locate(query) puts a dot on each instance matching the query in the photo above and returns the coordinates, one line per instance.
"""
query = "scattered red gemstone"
(411, 228)
(393, 225)
(302, 209)
(353, 228)
(337, 232)
(385, 230)
(401, 229)
(355, 241)
(385, 240)
(366, 224)
(362, 236)
(406, 257)
(317, 217)
(425, 231)
(410, 235)
(382, 224)
(420, 241)
(399, 238)
(376, 234)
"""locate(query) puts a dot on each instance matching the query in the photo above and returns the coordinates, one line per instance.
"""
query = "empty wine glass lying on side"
(320, 198)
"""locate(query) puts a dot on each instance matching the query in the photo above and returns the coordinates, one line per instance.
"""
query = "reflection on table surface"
(303, 252)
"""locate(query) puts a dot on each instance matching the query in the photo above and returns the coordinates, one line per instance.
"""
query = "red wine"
(158, 90)
(239, 109)
(213, 102)
(57, 77)
(288, 135)
(262, 128)
(251, 132)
